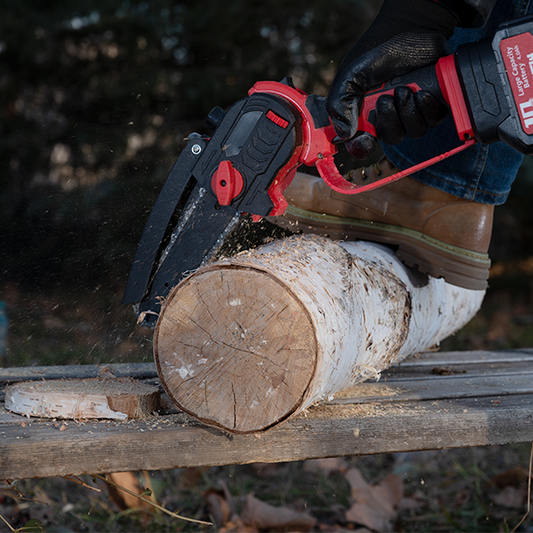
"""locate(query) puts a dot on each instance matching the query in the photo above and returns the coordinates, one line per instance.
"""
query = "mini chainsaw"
(260, 141)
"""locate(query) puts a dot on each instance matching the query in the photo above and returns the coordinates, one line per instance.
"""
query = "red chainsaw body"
(318, 146)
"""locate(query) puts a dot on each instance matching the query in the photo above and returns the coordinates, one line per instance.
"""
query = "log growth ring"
(235, 348)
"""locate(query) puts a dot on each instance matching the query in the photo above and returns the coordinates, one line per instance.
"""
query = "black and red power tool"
(260, 141)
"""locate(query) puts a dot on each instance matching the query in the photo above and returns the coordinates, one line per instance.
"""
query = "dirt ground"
(477, 489)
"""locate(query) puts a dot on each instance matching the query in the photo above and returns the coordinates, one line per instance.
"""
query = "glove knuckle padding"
(342, 107)
(400, 55)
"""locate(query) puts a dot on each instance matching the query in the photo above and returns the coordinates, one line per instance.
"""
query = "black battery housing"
(485, 82)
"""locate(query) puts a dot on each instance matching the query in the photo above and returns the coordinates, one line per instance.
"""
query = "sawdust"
(368, 410)
(157, 422)
(366, 390)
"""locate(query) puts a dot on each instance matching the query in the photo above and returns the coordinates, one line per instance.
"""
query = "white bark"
(368, 308)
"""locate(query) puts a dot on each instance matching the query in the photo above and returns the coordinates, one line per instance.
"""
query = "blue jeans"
(482, 173)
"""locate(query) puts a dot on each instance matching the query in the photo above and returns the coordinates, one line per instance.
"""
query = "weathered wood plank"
(471, 363)
(396, 374)
(424, 362)
(475, 356)
(31, 449)
(132, 370)
(409, 409)
(438, 388)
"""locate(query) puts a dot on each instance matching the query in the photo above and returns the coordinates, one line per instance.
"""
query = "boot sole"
(458, 266)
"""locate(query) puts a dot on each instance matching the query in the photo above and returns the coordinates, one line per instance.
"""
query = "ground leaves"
(256, 515)
(122, 499)
(263, 516)
(512, 488)
(375, 506)
(219, 505)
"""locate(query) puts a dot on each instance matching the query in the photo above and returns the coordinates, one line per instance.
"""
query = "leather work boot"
(440, 234)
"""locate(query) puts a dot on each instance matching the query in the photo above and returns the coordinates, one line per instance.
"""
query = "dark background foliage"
(97, 97)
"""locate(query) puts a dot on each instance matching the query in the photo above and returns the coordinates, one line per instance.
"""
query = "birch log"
(247, 342)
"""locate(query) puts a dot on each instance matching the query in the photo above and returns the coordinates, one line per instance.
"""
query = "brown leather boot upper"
(406, 203)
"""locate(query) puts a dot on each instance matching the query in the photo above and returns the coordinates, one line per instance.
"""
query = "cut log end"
(234, 361)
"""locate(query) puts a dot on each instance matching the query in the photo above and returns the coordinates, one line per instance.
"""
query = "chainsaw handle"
(330, 173)
(443, 82)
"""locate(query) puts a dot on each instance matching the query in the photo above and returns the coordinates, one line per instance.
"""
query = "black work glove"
(406, 35)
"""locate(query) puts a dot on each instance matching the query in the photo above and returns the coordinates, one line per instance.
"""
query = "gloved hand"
(406, 35)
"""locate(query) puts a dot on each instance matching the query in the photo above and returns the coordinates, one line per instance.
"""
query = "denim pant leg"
(483, 173)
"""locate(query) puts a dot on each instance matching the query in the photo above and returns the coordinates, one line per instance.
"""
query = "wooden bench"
(432, 401)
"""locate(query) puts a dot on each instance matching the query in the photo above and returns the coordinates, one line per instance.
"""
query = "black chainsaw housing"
(258, 135)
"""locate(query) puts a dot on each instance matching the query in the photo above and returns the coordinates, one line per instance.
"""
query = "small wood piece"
(247, 342)
(116, 398)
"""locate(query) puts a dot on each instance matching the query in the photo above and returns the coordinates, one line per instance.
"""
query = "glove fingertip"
(362, 146)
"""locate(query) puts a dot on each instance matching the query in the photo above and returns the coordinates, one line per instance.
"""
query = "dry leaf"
(219, 505)
(510, 497)
(191, 476)
(328, 465)
(375, 505)
(122, 499)
(512, 485)
(236, 525)
(267, 517)
(513, 478)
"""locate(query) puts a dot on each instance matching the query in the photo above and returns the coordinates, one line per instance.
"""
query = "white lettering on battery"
(523, 72)
(530, 59)
(517, 55)
(512, 61)
(518, 70)
(526, 109)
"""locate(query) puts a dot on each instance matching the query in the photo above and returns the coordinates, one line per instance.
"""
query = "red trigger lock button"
(227, 183)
